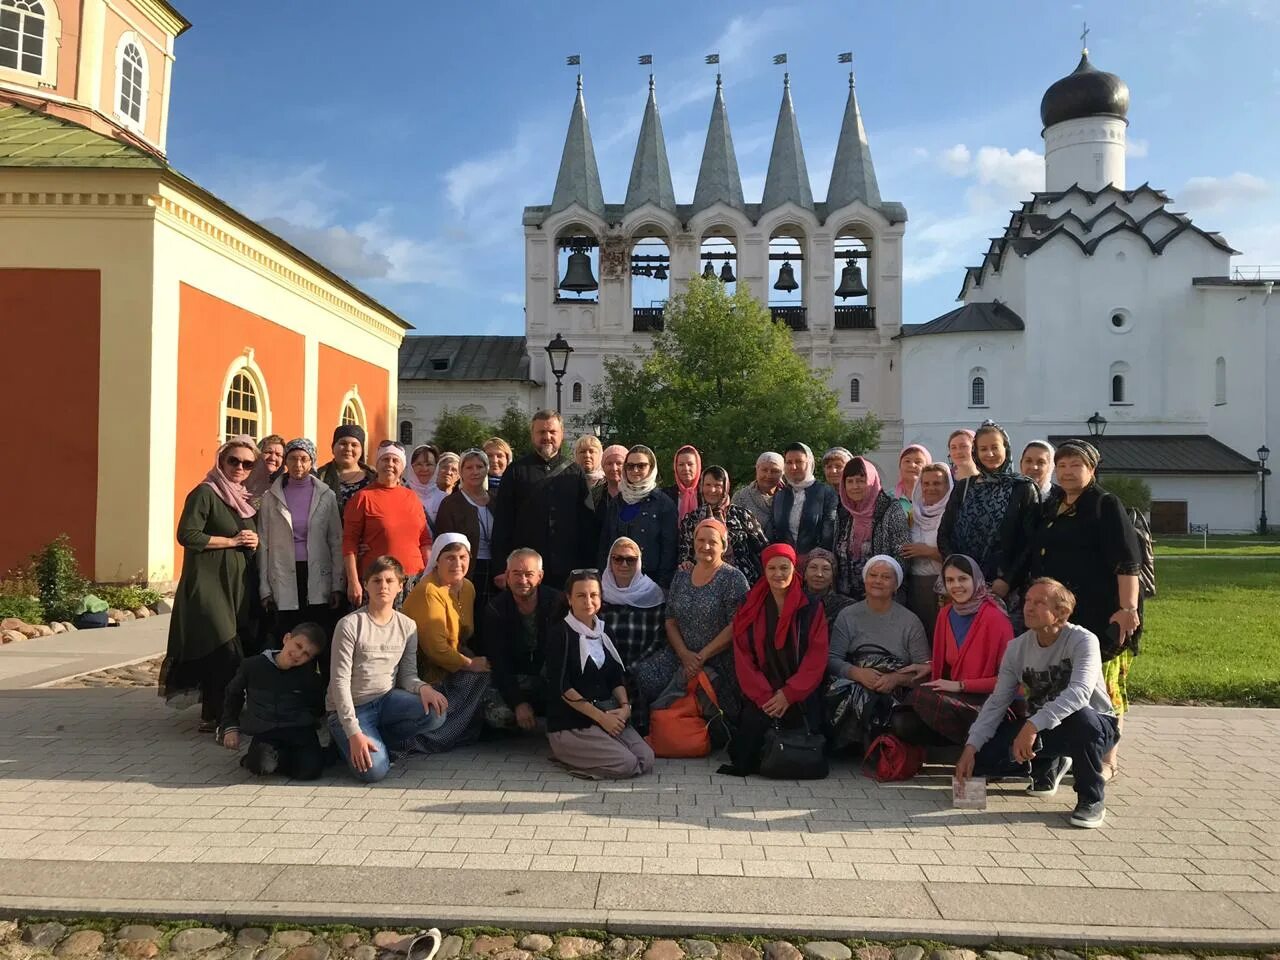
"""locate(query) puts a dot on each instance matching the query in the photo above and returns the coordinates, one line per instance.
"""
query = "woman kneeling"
(969, 639)
(588, 725)
(780, 655)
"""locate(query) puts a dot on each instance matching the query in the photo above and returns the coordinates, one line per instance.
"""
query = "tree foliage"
(459, 431)
(513, 427)
(1131, 491)
(723, 376)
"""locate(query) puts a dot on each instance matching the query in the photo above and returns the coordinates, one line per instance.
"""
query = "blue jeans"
(391, 720)
(1085, 737)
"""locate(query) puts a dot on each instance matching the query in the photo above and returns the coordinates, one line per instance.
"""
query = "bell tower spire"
(853, 176)
(788, 176)
(579, 178)
(718, 179)
(650, 172)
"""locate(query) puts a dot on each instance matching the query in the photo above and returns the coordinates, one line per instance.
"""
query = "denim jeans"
(391, 720)
(1085, 737)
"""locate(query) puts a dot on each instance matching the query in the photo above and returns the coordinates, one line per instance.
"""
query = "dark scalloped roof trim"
(1053, 196)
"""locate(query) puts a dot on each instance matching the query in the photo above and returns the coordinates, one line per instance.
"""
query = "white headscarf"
(633, 493)
(1048, 480)
(809, 478)
(643, 591)
(593, 642)
(925, 518)
(883, 558)
(442, 541)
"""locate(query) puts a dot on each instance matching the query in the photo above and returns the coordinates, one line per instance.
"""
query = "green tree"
(457, 432)
(1131, 491)
(513, 427)
(723, 376)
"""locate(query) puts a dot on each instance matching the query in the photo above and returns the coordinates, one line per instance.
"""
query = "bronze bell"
(726, 273)
(660, 273)
(577, 274)
(786, 278)
(708, 272)
(851, 284)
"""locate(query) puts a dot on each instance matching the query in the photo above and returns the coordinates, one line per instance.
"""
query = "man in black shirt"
(516, 623)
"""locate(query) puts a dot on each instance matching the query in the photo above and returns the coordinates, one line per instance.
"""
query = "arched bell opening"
(577, 265)
(787, 277)
(718, 254)
(650, 281)
(854, 308)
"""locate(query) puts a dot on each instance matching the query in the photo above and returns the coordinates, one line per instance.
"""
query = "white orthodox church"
(1098, 309)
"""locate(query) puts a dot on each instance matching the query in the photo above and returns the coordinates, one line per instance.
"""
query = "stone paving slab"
(124, 806)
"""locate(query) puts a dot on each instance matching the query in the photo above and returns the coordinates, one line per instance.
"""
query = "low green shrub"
(58, 576)
(130, 596)
(26, 608)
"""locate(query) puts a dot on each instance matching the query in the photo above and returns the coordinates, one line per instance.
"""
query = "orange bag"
(680, 730)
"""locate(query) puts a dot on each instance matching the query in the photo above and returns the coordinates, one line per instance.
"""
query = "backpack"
(1142, 530)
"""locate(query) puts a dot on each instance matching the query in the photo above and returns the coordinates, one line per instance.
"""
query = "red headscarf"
(688, 501)
(752, 610)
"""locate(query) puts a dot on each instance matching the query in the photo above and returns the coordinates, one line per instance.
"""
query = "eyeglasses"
(637, 466)
(236, 462)
(625, 561)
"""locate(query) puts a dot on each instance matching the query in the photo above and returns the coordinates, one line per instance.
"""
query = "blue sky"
(399, 141)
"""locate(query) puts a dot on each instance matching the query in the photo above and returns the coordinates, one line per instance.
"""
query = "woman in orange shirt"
(385, 519)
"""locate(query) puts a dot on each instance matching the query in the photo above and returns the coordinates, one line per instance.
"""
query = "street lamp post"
(1263, 453)
(1097, 424)
(558, 351)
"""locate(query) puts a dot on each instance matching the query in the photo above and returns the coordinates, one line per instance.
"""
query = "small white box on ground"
(970, 794)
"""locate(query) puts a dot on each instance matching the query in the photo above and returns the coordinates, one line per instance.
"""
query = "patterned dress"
(637, 632)
(700, 613)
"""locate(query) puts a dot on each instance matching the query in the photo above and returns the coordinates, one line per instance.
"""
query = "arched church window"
(1220, 381)
(406, 432)
(131, 81)
(352, 411)
(23, 27)
(243, 414)
(576, 396)
(855, 390)
(1117, 388)
(1119, 383)
(977, 387)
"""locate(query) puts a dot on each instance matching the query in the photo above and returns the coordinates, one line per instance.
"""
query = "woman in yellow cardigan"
(443, 607)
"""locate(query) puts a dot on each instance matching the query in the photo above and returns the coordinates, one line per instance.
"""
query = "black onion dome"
(1085, 92)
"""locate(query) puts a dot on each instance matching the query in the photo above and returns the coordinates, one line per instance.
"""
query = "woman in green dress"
(216, 531)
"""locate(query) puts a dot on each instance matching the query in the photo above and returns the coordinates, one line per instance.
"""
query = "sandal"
(432, 938)
(1110, 770)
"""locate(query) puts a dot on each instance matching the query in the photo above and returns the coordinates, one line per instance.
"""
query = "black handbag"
(793, 753)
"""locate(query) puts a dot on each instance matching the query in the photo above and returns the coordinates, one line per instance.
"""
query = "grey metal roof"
(788, 176)
(650, 172)
(718, 179)
(1167, 454)
(579, 178)
(970, 318)
(853, 176)
(464, 358)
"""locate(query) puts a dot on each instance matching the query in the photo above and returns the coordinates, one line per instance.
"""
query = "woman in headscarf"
(642, 512)
(870, 522)
(1037, 463)
(587, 454)
(960, 450)
(684, 493)
(347, 473)
(467, 511)
(985, 514)
(911, 461)
(969, 638)
(804, 511)
(1085, 539)
(386, 519)
(818, 570)
(611, 465)
(443, 607)
(270, 465)
(588, 709)
(218, 537)
(780, 658)
(833, 462)
(757, 497)
(300, 547)
(448, 470)
(700, 609)
(634, 604)
(420, 477)
(924, 560)
(746, 539)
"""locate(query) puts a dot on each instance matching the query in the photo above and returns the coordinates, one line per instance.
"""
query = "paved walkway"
(130, 811)
(29, 663)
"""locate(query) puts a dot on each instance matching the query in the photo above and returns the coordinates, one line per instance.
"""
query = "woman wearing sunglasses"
(218, 535)
(644, 513)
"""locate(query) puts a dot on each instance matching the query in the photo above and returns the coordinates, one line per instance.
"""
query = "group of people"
(984, 603)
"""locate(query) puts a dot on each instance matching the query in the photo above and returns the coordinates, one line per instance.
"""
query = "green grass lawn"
(1212, 632)
(1242, 545)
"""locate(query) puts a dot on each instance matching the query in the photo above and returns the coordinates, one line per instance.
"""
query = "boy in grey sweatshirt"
(1071, 724)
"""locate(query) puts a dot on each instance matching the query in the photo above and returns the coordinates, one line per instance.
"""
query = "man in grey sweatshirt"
(1071, 723)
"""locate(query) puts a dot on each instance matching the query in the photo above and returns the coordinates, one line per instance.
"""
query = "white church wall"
(1226, 504)
(422, 401)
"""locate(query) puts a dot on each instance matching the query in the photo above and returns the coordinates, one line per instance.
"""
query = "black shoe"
(1045, 783)
(268, 759)
(1088, 816)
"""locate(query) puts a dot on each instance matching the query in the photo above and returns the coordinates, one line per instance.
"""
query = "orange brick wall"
(338, 373)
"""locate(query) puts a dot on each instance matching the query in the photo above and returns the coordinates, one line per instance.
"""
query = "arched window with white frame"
(244, 413)
(576, 394)
(1220, 381)
(131, 81)
(406, 433)
(855, 390)
(353, 413)
(1119, 384)
(29, 35)
(978, 387)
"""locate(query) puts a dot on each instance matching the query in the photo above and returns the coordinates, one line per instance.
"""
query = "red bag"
(890, 759)
(680, 730)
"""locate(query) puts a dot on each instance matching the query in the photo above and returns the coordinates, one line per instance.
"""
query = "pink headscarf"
(234, 495)
(863, 513)
(688, 501)
(903, 490)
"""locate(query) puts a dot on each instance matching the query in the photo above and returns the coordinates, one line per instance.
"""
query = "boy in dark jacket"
(277, 697)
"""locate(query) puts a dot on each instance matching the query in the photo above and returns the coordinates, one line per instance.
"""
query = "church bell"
(577, 274)
(708, 272)
(661, 272)
(726, 273)
(786, 278)
(851, 284)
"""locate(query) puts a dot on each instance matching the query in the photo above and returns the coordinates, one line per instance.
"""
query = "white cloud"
(1137, 149)
(341, 250)
(955, 160)
(1013, 174)
(1209, 193)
